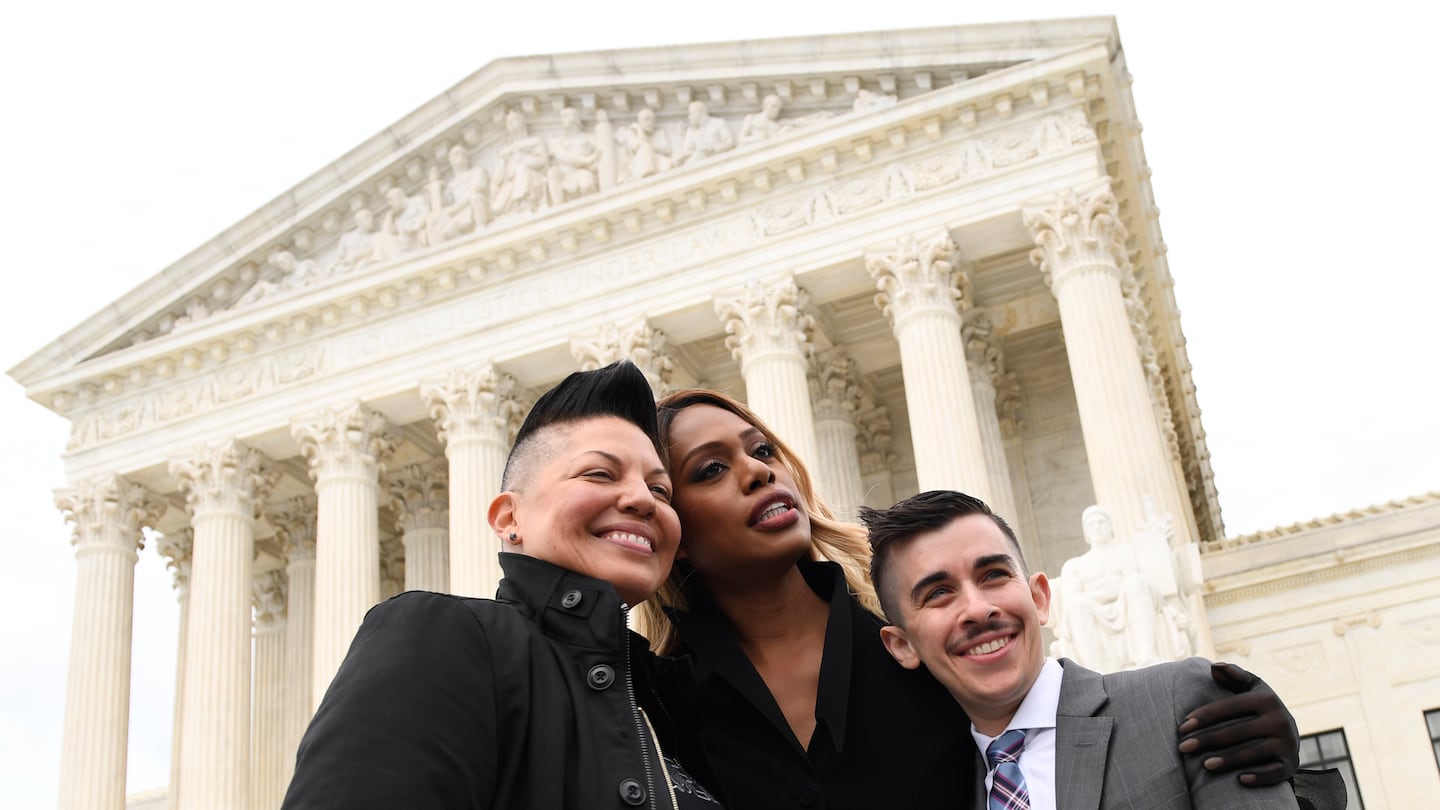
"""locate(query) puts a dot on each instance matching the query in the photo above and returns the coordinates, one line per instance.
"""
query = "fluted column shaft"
(177, 548)
(476, 414)
(919, 293)
(222, 485)
(770, 336)
(267, 758)
(836, 394)
(985, 363)
(295, 527)
(107, 515)
(346, 449)
(1083, 256)
(419, 498)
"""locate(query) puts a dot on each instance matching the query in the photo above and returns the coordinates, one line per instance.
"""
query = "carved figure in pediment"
(765, 124)
(870, 100)
(705, 136)
(282, 273)
(195, 312)
(403, 229)
(518, 183)
(574, 157)
(461, 205)
(357, 245)
(647, 147)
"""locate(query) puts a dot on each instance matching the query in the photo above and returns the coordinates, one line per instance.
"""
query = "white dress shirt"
(1036, 716)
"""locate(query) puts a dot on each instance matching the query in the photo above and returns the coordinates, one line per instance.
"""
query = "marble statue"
(705, 136)
(403, 229)
(282, 273)
(574, 158)
(461, 205)
(870, 100)
(518, 182)
(357, 245)
(647, 148)
(1108, 609)
(765, 124)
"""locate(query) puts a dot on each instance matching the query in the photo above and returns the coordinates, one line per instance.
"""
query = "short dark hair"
(916, 515)
(619, 390)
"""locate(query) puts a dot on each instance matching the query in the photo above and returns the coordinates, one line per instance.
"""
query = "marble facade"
(941, 270)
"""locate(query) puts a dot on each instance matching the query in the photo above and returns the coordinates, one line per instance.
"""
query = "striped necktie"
(1007, 789)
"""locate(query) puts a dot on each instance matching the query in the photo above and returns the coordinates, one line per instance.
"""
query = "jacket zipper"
(635, 714)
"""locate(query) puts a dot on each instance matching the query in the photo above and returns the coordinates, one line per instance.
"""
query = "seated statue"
(461, 205)
(765, 124)
(647, 148)
(1106, 609)
(356, 247)
(404, 227)
(574, 157)
(518, 182)
(705, 136)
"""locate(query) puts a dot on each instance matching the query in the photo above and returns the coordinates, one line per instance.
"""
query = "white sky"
(1293, 158)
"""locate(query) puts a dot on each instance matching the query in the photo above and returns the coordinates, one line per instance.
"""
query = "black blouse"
(884, 736)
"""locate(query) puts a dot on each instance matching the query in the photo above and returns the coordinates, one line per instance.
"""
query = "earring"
(513, 537)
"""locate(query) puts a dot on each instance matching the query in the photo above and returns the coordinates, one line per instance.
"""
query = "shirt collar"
(1038, 708)
(547, 594)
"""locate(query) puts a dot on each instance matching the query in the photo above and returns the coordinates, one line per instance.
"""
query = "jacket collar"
(547, 594)
(707, 634)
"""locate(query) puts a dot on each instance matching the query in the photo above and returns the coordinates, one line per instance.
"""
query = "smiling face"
(738, 503)
(970, 615)
(598, 503)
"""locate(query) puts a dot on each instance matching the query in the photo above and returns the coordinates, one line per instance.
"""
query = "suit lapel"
(1082, 740)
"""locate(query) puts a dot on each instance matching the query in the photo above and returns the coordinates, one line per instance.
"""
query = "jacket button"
(571, 599)
(600, 677)
(632, 793)
(808, 795)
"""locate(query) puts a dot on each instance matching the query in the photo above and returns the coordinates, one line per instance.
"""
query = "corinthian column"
(176, 549)
(835, 390)
(346, 448)
(421, 503)
(294, 522)
(638, 342)
(107, 514)
(877, 459)
(268, 772)
(920, 295)
(223, 486)
(1082, 255)
(476, 413)
(987, 366)
(769, 333)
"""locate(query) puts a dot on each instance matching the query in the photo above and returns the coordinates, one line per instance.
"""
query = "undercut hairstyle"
(919, 514)
(619, 390)
(830, 538)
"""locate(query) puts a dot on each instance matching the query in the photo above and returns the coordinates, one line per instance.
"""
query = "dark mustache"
(990, 626)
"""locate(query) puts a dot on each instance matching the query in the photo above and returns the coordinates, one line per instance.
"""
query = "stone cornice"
(1314, 524)
(975, 104)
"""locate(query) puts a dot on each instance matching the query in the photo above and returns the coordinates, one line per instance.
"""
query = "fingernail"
(1186, 746)
(1189, 725)
(1214, 763)
(1248, 778)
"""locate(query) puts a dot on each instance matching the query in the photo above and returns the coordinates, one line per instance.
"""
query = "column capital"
(108, 510)
(638, 342)
(392, 567)
(347, 440)
(982, 351)
(834, 384)
(269, 591)
(872, 438)
(223, 477)
(764, 319)
(419, 497)
(294, 522)
(920, 276)
(1076, 229)
(476, 403)
(177, 548)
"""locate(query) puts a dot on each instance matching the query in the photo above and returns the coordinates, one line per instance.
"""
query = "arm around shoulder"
(410, 718)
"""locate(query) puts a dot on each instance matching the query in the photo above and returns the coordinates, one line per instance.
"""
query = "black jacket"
(526, 701)
(885, 736)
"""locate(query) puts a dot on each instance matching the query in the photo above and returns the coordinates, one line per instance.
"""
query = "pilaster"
(294, 522)
(347, 448)
(476, 413)
(176, 548)
(107, 515)
(421, 502)
(769, 333)
(835, 390)
(268, 772)
(986, 364)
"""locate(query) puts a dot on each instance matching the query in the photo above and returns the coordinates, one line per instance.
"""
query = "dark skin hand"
(1250, 731)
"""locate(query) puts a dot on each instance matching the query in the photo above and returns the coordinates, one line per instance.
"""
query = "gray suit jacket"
(1115, 744)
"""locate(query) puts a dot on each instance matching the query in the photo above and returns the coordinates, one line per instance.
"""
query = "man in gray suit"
(951, 577)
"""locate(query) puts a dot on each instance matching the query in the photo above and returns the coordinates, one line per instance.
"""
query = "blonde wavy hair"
(830, 539)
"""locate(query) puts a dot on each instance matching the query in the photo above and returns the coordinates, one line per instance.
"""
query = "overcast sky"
(1293, 157)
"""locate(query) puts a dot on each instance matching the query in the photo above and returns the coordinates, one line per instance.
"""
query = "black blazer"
(526, 701)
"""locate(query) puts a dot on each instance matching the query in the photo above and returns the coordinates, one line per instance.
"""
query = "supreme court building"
(929, 258)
